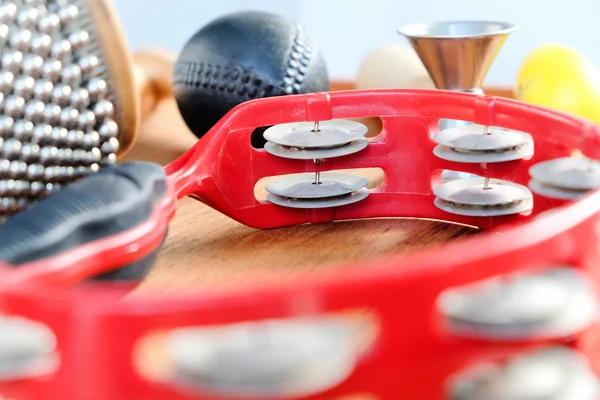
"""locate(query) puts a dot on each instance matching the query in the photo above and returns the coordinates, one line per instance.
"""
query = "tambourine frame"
(98, 324)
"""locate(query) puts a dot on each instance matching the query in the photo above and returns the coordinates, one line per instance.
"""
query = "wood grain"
(206, 249)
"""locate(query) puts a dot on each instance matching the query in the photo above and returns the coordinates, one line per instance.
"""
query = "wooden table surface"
(205, 249)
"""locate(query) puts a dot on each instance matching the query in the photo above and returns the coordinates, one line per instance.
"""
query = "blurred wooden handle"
(153, 69)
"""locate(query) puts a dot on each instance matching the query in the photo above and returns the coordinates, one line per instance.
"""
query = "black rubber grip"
(103, 204)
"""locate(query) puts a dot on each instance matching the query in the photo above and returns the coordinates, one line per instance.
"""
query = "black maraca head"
(240, 57)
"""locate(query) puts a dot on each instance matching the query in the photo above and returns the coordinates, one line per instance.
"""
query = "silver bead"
(21, 187)
(41, 44)
(28, 18)
(37, 188)
(104, 109)
(30, 152)
(79, 39)
(6, 125)
(32, 65)
(48, 155)
(69, 117)
(4, 167)
(52, 187)
(71, 74)
(33, 2)
(43, 90)
(97, 88)
(61, 94)
(52, 113)
(49, 23)
(91, 140)
(12, 60)
(15, 106)
(109, 129)
(17, 169)
(110, 146)
(79, 155)
(59, 135)
(11, 148)
(42, 133)
(86, 120)
(61, 49)
(23, 86)
(52, 70)
(20, 39)
(94, 168)
(34, 110)
(51, 173)
(35, 171)
(23, 130)
(4, 34)
(69, 173)
(88, 64)
(7, 80)
(8, 204)
(68, 14)
(80, 98)
(74, 139)
(64, 155)
(6, 188)
(93, 156)
(8, 12)
(109, 160)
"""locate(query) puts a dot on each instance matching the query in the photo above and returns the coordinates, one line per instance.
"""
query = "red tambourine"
(511, 313)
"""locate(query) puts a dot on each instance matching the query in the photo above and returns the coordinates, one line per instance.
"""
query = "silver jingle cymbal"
(332, 133)
(575, 173)
(554, 373)
(267, 359)
(557, 302)
(315, 154)
(484, 211)
(304, 186)
(326, 202)
(469, 197)
(450, 154)
(555, 192)
(26, 348)
(473, 138)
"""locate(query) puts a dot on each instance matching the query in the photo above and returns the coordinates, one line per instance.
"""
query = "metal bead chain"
(56, 122)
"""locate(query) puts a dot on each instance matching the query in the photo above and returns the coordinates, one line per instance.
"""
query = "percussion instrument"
(510, 313)
(426, 325)
(68, 104)
(243, 56)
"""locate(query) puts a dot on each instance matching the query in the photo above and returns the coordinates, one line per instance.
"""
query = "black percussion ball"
(244, 56)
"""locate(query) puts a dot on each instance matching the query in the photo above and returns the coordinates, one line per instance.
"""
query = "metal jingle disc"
(449, 154)
(315, 154)
(555, 192)
(303, 186)
(576, 173)
(554, 373)
(555, 302)
(265, 359)
(26, 347)
(468, 197)
(473, 138)
(326, 202)
(332, 133)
